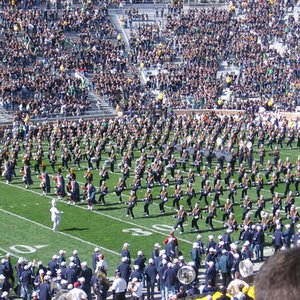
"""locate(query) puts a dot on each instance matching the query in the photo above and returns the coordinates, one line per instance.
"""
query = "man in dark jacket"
(44, 291)
(225, 268)
(124, 269)
(170, 280)
(150, 277)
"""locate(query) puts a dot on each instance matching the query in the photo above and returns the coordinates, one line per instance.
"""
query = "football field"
(26, 226)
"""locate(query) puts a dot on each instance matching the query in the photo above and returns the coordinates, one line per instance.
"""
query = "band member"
(27, 175)
(247, 205)
(276, 156)
(147, 201)
(131, 203)
(259, 182)
(277, 203)
(265, 221)
(218, 191)
(232, 190)
(212, 212)
(90, 195)
(178, 178)
(205, 192)
(217, 174)
(288, 180)
(119, 188)
(254, 171)
(181, 218)
(190, 195)
(231, 223)
(177, 196)
(165, 180)
(163, 195)
(89, 177)
(184, 159)
(198, 161)
(103, 190)
(205, 176)
(53, 159)
(228, 209)
(172, 165)
(274, 183)
(297, 179)
(268, 169)
(137, 183)
(290, 200)
(45, 181)
(196, 214)
(293, 215)
(191, 176)
(59, 184)
(241, 174)
(246, 183)
(260, 206)
(73, 190)
(228, 173)
(103, 175)
(261, 154)
(276, 220)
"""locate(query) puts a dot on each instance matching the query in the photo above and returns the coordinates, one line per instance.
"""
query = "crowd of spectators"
(42, 48)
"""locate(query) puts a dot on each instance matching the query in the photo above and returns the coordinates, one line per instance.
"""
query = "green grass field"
(27, 229)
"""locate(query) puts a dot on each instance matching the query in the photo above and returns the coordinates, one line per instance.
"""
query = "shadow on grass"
(75, 229)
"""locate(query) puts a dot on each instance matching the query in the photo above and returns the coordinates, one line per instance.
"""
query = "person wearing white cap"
(288, 234)
(181, 218)
(150, 276)
(76, 259)
(259, 241)
(155, 251)
(196, 214)
(246, 251)
(55, 215)
(86, 273)
(196, 257)
(26, 283)
(39, 279)
(170, 280)
(211, 243)
(277, 239)
(211, 273)
(53, 265)
(125, 252)
(224, 267)
(95, 258)
(61, 257)
(71, 273)
(125, 269)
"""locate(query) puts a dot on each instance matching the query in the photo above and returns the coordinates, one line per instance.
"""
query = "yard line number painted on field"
(140, 232)
(26, 249)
